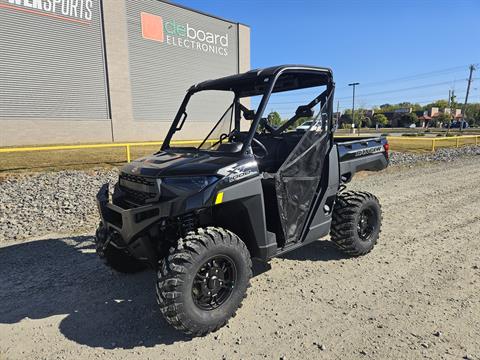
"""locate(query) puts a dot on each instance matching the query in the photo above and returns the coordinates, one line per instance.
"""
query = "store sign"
(68, 10)
(173, 33)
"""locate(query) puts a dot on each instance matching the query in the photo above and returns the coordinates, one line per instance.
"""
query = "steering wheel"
(261, 146)
(264, 152)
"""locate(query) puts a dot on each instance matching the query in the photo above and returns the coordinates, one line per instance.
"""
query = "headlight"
(188, 184)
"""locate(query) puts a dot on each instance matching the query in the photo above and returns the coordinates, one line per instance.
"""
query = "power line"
(401, 90)
(421, 75)
(374, 93)
(439, 95)
(418, 76)
(432, 98)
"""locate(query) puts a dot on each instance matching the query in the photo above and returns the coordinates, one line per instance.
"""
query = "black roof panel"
(253, 82)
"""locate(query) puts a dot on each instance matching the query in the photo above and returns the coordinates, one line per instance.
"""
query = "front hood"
(177, 164)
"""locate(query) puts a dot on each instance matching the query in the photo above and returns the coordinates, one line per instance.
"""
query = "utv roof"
(253, 82)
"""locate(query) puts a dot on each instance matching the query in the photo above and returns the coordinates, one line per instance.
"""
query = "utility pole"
(472, 69)
(353, 106)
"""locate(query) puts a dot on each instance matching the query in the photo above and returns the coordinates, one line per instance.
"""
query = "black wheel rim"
(214, 282)
(367, 223)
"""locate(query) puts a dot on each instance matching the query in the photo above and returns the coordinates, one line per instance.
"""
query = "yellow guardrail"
(431, 143)
(397, 143)
(127, 146)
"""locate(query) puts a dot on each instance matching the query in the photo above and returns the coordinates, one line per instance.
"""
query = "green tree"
(386, 107)
(444, 119)
(407, 104)
(472, 113)
(365, 121)
(380, 119)
(408, 119)
(346, 119)
(274, 119)
(359, 117)
(441, 104)
(453, 106)
(402, 105)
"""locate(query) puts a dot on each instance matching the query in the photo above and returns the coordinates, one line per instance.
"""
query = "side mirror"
(304, 111)
(249, 114)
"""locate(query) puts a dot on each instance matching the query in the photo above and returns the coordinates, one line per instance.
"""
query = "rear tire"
(203, 281)
(356, 222)
(117, 259)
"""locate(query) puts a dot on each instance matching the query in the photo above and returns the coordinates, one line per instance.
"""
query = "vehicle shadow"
(320, 250)
(102, 308)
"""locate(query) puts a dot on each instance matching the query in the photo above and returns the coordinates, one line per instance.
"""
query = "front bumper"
(130, 225)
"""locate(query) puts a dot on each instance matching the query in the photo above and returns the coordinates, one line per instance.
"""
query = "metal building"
(76, 71)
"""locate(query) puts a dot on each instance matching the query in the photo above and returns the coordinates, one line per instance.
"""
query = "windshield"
(209, 115)
(234, 114)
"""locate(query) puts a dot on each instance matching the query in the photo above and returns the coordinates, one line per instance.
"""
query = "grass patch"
(75, 159)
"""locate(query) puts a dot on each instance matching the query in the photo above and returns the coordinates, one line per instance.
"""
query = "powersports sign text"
(79, 11)
(182, 35)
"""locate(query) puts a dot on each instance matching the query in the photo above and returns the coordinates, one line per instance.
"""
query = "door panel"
(298, 178)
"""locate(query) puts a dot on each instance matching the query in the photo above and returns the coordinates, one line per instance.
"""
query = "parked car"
(305, 126)
(456, 124)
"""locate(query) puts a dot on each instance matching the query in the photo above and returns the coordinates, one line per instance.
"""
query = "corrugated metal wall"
(162, 71)
(52, 62)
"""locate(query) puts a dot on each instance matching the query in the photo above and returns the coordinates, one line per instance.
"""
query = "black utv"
(199, 214)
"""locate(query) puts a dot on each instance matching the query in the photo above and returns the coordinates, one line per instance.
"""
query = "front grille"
(137, 197)
(137, 179)
(137, 189)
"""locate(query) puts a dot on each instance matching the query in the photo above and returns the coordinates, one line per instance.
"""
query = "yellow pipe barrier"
(128, 153)
(128, 146)
(89, 146)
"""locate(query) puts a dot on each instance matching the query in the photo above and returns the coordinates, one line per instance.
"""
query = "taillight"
(386, 147)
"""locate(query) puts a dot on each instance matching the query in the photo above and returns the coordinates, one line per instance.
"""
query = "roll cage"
(264, 82)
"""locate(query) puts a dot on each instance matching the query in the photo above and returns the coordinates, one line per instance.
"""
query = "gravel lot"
(415, 296)
(64, 201)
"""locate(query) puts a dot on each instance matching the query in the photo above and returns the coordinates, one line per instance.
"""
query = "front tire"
(356, 222)
(203, 281)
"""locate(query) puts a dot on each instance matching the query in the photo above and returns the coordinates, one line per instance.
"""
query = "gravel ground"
(443, 154)
(415, 296)
(37, 204)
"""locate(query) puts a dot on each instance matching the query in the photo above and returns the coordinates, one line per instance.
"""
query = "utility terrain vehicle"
(198, 215)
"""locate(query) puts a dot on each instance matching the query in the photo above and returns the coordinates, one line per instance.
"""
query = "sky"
(398, 50)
